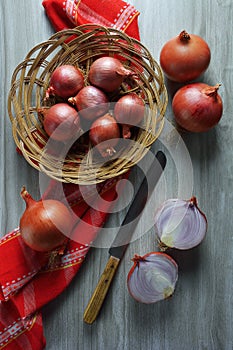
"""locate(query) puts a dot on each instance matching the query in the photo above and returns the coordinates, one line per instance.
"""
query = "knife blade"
(123, 237)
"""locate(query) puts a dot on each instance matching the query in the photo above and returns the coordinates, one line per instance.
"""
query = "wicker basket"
(81, 46)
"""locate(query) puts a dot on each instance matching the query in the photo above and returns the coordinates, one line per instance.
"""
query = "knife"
(122, 239)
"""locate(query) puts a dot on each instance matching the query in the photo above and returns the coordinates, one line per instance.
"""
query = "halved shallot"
(152, 278)
(180, 224)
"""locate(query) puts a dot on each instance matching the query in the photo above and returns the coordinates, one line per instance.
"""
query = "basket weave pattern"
(80, 47)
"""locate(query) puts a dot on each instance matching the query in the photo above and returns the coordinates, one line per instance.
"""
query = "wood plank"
(199, 315)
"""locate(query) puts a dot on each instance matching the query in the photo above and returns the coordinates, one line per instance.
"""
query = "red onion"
(108, 73)
(129, 111)
(185, 57)
(91, 102)
(104, 134)
(152, 278)
(61, 121)
(44, 225)
(180, 224)
(197, 107)
(65, 81)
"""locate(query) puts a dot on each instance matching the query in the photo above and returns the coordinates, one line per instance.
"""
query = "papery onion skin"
(152, 278)
(105, 134)
(129, 111)
(185, 57)
(108, 73)
(91, 102)
(45, 224)
(61, 121)
(65, 81)
(180, 224)
(197, 107)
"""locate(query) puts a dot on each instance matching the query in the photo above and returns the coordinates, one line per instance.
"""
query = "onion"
(65, 81)
(44, 225)
(91, 102)
(152, 278)
(180, 224)
(197, 107)
(61, 121)
(104, 134)
(108, 73)
(185, 57)
(129, 111)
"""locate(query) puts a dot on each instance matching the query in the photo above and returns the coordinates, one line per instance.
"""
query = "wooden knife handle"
(98, 296)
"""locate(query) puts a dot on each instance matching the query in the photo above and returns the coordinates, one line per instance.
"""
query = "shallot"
(152, 278)
(61, 121)
(45, 224)
(197, 107)
(180, 224)
(108, 73)
(104, 134)
(91, 102)
(65, 81)
(185, 57)
(129, 111)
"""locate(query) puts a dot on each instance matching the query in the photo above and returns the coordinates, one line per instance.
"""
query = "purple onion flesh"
(152, 278)
(180, 224)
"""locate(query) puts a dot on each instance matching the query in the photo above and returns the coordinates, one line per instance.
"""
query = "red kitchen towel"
(70, 13)
(24, 273)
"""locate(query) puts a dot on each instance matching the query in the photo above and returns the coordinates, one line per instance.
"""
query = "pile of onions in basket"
(87, 104)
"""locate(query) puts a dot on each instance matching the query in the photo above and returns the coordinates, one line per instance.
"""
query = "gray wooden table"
(200, 315)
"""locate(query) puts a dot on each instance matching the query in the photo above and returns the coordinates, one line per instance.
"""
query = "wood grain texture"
(98, 296)
(200, 314)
